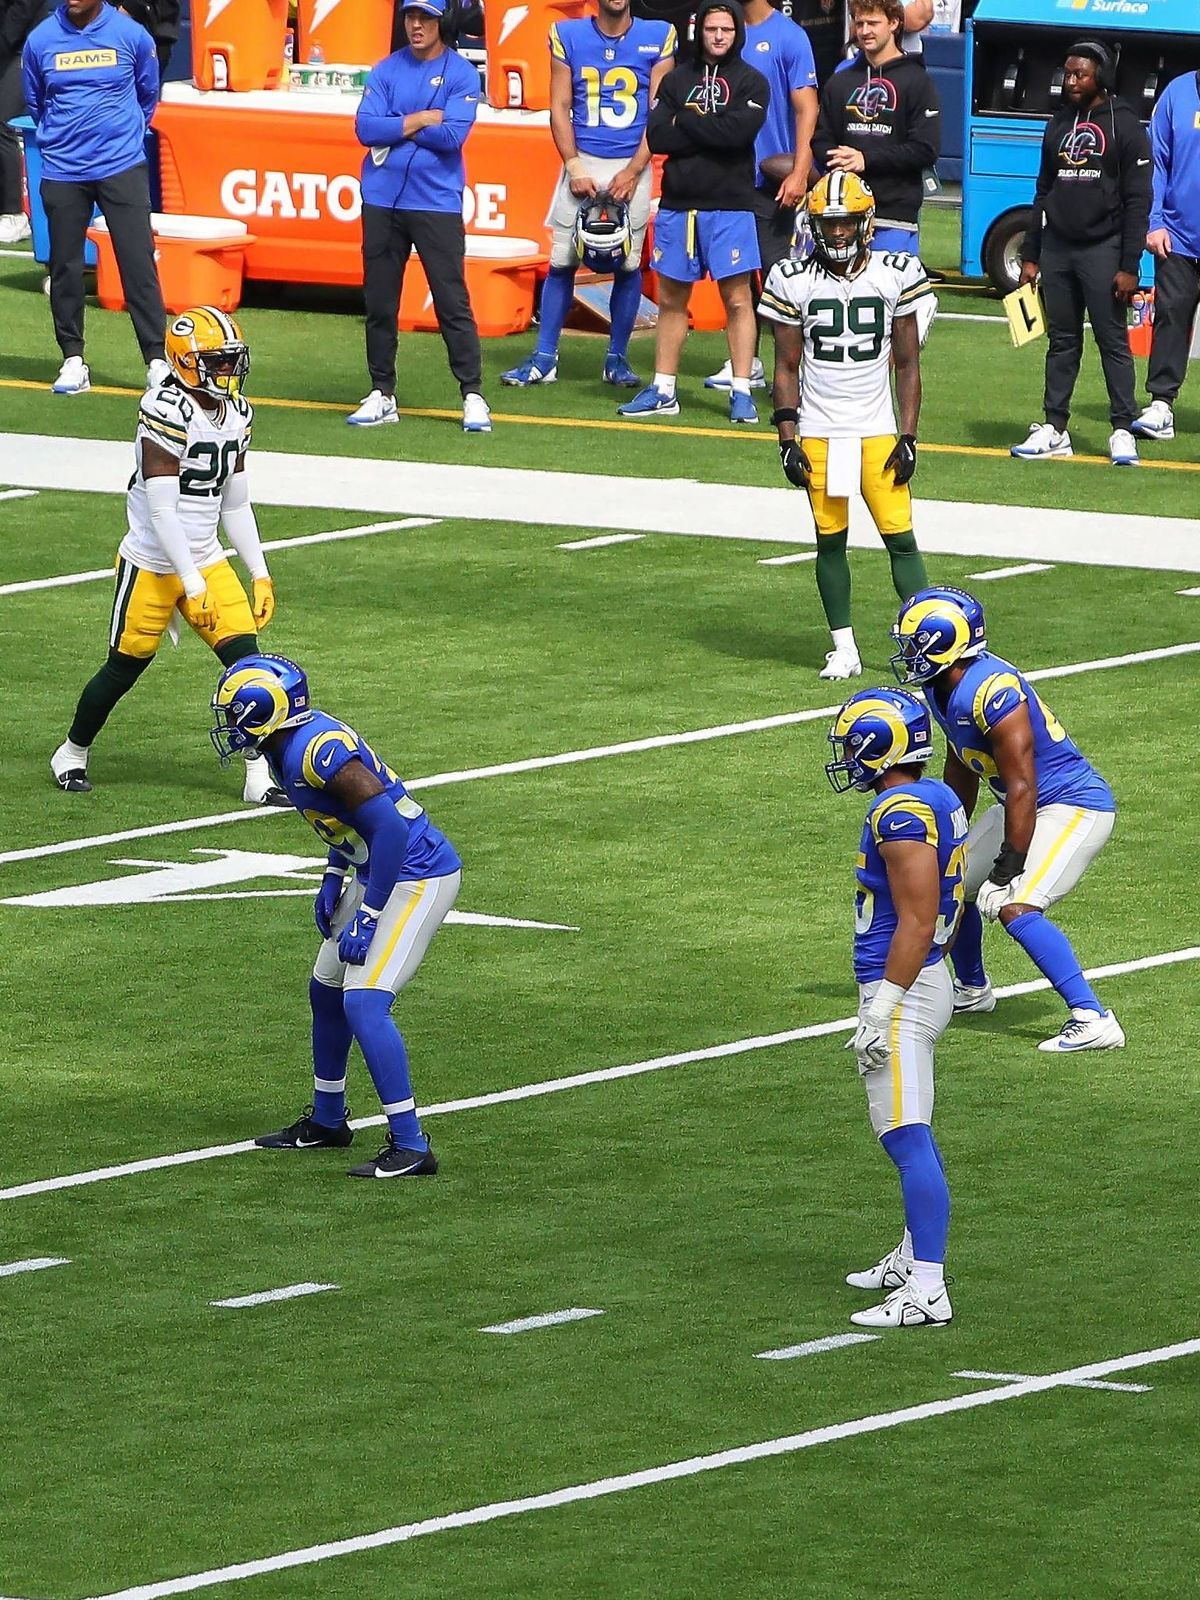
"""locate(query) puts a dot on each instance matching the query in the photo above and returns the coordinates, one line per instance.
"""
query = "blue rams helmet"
(254, 698)
(877, 729)
(602, 235)
(936, 628)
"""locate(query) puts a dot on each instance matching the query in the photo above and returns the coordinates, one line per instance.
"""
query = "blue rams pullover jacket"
(1175, 142)
(91, 91)
(424, 172)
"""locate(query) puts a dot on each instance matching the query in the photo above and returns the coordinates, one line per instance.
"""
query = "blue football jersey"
(989, 689)
(321, 747)
(931, 813)
(779, 49)
(610, 80)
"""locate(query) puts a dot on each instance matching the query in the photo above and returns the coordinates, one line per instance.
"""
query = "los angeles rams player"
(189, 475)
(1054, 816)
(910, 889)
(376, 928)
(848, 311)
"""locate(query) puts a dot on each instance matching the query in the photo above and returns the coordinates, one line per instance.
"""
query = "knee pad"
(366, 1008)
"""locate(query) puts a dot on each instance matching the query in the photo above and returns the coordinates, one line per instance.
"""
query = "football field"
(607, 1352)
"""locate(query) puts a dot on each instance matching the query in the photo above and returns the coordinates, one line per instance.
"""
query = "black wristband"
(1009, 864)
(784, 414)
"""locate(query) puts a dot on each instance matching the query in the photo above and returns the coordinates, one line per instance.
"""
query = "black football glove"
(903, 459)
(797, 468)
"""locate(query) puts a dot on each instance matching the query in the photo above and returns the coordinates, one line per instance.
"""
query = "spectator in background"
(417, 111)
(824, 24)
(17, 19)
(91, 84)
(880, 117)
(1085, 238)
(160, 18)
(780, 50)
(1174, 237)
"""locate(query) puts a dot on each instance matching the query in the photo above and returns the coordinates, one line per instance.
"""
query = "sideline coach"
(91, 84)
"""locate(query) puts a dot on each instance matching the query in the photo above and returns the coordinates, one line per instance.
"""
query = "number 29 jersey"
(847, 322)
(207, 445)
(929, 812)
(610, 81)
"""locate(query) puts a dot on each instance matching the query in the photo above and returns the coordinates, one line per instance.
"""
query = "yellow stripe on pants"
(897, 1071)
(1028, 888)
(377, 969)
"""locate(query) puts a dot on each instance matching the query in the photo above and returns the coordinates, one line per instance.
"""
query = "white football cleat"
(1042, 442)
(973, 997)
(157, 373)
(1087, 1030)
(1122, 448)
(723, 379)
(73, 377)
(907, 1307)
(890, 1273)
(476, 416)
(1157, 421)
(375, 410)
(841, 663)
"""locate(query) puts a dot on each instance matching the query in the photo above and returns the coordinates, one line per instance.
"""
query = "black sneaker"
(74, 782)
(275, 797)
(394, 1161)
(308, 1135)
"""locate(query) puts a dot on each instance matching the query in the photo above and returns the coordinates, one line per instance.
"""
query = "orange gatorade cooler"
(518, 55)
(238, 44)
(358, 32)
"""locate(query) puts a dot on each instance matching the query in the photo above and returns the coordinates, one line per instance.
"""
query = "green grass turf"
(709, 1209)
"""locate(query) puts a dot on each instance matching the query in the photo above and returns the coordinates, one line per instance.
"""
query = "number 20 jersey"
(929, 812)
(207, 445)
(610, 81)
(845, 387)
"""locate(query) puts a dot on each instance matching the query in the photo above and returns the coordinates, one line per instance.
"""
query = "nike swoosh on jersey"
(932, 113)
(1144, 163)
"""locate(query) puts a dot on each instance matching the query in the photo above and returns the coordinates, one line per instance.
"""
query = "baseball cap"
(432, 8)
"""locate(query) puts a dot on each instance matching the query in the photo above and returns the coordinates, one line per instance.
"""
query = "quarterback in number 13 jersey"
(610, 80)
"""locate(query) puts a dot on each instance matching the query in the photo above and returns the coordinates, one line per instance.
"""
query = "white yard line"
(1080, 1383)
(331, 537)
(667, 1472)
(787, 561)
(35, 1264)
(814, 1347)
(567, 758)
(579, 1080)
(548, 1319)
(293, 1291)
(602, 539)
(1010, 572)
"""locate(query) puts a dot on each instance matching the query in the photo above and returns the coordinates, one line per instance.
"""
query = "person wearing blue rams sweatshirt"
(1174, 237)
(417, 110)
(91, 84)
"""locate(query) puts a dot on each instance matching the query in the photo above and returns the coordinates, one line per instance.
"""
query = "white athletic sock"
(664, 382)
(843, 639)
(741, 386)
(77, 752)
(928, 1277)
(906, 1249)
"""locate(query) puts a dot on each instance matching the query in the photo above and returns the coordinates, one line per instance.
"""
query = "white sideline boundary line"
(547, 1319)
(667, 1472)
(579, 1080)
(567, 758)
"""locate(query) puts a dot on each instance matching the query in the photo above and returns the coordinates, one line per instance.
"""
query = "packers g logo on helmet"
(877, 729)
(256, 697)
(936, 628)
(841, 198)
(207, 352)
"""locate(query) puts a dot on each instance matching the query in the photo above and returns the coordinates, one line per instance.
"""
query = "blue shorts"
(690, 244)
(899, 240)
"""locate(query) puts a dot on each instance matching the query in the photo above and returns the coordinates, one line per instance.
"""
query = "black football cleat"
(308, 1135)
(73, 782)
(394, 1161)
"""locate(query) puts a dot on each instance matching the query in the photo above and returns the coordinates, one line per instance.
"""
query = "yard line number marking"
(667, 1472)
(292, 1291)
(34, 1264)
(814, 1347)
(531, 1091)
(548, 1319)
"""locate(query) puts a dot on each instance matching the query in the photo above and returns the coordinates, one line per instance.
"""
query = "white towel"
(843, 472)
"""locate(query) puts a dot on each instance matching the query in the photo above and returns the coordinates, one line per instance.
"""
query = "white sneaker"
(841, 663)
(1122, 448)
(1042, 442)
(157, 373)
(375, 410)
(1087, 1030)
(476, 416)
(14, 228)
(724, 378)
(260, 788)
(890, 1273)
(973, 997)
(73, 377)
(907, 1307)
(1157, 421)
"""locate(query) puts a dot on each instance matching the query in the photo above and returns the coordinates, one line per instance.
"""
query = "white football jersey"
(847, 321)
(208, 445)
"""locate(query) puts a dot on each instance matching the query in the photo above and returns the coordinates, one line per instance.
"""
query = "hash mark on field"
(814, 1347)
(1079, 1383)
(34, 1264)
(667, 1472)
(1010, 572)
(17, 494)
(604, 538)
(548, 1319)
(1187, 591)
(293, 1291)
(786, 561)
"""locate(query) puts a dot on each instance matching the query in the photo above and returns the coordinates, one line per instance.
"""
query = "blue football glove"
(356, 936)
(326, 904)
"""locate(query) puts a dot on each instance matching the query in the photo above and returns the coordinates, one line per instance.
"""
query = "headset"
(1105, 59)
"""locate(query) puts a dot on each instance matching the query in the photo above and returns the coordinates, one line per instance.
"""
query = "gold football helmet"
(841, 213)
(207, 352)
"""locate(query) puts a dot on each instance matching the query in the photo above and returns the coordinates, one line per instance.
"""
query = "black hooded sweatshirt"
(705, 122)
(1094, 182)
(893, 115)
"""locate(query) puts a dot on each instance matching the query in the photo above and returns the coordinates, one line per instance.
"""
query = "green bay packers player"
(189, 477)
(846, 314)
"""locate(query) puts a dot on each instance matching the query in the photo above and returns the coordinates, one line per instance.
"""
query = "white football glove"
(992, 897)
(870, 1041)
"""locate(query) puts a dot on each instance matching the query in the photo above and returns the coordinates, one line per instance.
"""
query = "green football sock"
(231, 650)
(908, 569)
(101, 693)
(833, 577)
